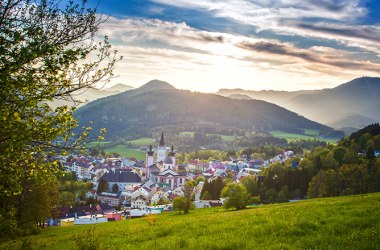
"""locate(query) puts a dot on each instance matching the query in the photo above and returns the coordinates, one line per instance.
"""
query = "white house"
(139, 203)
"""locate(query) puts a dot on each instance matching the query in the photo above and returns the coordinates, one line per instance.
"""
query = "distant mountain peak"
(119, 87)
(154, 85)
(364, 81)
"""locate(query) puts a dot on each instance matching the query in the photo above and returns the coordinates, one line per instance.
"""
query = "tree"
(324, 184)
(38, 201)
(185, 203)
(188, 196)
(46, 53)
(206, 187)
(236, 195)
(179, 204)
(102, 186)
(205, 196)
(250, 184)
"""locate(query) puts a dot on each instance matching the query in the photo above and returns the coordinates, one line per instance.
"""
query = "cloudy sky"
(251, 44)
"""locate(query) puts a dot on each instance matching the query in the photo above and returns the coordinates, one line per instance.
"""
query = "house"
(158, 196)
(178, 191)
(139, 203)
(114, 216)
(90, 219)
(202, 204)
(91, 194)
(112, 199)
(119, 179)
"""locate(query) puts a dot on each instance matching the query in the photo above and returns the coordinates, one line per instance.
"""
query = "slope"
(158, 104)
(353, 104)
(349, 222)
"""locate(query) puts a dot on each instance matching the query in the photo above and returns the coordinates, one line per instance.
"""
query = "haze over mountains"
(353, 104)
(157, 105)
(88, 95)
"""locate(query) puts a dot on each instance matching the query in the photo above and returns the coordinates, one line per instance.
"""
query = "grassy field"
(144, 141)
(123, 150)
(351, 222)
(126, 152)
(96, 143)
(186, 134)
(226, 138)
(311, 134)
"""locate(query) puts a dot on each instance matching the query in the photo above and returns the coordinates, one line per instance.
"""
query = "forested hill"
(158, 104)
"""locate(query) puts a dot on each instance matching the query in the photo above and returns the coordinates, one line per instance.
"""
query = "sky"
(206, 45)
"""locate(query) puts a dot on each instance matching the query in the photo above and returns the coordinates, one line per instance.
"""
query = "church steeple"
(162, 141)
(161, 151)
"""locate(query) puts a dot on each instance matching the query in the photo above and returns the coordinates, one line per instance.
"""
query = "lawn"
(351, 222)
(311, 134)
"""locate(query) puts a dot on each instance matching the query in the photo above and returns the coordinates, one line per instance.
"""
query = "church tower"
(148, 162)
(172, 156)
(161, 152)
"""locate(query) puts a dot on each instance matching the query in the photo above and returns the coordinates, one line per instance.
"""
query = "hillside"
(280, 98)
(158, 104)
(353, 104)
(350, 222)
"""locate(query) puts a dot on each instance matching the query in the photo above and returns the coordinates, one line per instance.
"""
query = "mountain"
(91, 94)
(157, 105)
(119, 88)
(240, 97)
(353, 104)
(280, 98)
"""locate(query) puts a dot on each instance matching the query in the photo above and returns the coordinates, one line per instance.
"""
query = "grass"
(186, 134)
(144, 141)
(311, 134)
(96, 143)
(226, 138)
(351, 222)
(126, 152)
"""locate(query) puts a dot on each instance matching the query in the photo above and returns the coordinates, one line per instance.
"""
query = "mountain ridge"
(351, 104)
(153, 107)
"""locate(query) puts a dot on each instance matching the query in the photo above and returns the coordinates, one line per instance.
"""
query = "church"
(164, 170)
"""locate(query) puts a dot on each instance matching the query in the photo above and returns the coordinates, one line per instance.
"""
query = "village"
(134, 188)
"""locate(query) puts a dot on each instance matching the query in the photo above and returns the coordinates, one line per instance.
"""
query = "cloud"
(318, 55)
(184, 55)
(324, 19)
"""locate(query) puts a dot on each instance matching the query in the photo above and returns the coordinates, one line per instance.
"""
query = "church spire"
(162, 142)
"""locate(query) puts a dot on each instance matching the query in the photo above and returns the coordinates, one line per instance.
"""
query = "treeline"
(351, 167)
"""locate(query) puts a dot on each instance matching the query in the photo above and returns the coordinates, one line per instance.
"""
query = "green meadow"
(309, 134)
(123, 150)
(351, 222)
(126, 152)
(143, 141)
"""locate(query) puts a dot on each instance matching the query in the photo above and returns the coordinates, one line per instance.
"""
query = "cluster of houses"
(134, 184)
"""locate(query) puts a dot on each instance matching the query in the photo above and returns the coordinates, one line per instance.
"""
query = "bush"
(236, 195)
